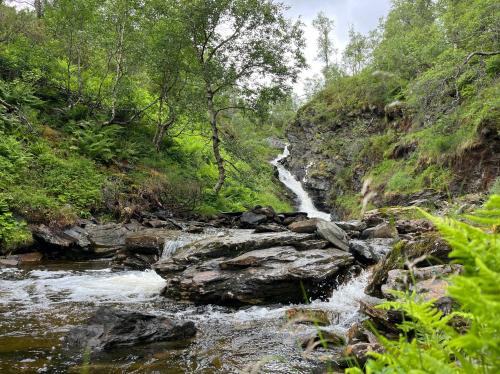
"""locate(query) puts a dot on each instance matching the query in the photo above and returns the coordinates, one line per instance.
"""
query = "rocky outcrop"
(85, 240)
(244, 267)
(109, 328)
(430, 282)
(423, 250)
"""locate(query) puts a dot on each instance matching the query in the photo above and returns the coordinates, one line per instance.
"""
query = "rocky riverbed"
(255, 290)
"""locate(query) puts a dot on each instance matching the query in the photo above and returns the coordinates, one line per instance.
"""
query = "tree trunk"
(38, 8)
(118, 72)
(162, 128)
(216, 141)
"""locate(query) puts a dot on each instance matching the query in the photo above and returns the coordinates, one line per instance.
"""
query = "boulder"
(305, 227)
(51, 236)
(252, 268)
(382, 230)
(426, 250)
(370, 251)
(251, 219)
(109, 328)
(429, 282)
(352, 225)
(334, 234)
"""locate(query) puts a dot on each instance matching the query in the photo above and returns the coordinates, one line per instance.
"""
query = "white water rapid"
(305, 203)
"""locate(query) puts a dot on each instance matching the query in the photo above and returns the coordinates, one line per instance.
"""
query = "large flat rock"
(244, 267)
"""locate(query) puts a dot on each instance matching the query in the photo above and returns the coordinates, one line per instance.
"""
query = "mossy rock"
(428, 249)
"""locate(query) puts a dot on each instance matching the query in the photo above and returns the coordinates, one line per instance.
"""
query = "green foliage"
(428, 342)
(13, 232)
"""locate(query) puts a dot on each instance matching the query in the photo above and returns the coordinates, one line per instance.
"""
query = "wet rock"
(312, 244)
(426, 250)
(156, 223)
(334, 234)
(308, 316)
(294, 217)
(405, 226)
(359, 352)
(9, 261)
(353, 225)
(382, 230)
(110, 328)
(384, 321)
(271, 227)
(29, 258)
(248, 268)
(373, 218)
(359, 333)
(51, 236)
(235, 243)
(370, 251)
(250, 219)
(429, 282)
(305, 227)
(267, 211)
(146, 242)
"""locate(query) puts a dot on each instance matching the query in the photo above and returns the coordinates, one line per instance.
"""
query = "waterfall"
(305, 202)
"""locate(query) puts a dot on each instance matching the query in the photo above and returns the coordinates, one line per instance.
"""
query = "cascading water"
(305, 202)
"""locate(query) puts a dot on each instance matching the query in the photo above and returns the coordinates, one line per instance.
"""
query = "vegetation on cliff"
(420, 110)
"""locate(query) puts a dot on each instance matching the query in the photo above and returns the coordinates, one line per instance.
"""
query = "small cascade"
(305, 202)
(171, 246)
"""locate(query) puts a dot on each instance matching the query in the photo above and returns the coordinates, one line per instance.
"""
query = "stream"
(38, 305)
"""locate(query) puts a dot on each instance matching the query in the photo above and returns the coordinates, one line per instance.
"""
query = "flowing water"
(38, 306)
(305, 202)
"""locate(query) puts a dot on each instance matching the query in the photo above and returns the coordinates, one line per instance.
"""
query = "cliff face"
(334, 153)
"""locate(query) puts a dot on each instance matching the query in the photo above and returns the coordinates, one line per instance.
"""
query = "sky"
(364, 15)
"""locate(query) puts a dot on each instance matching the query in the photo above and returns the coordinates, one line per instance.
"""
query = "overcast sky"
(362, 14)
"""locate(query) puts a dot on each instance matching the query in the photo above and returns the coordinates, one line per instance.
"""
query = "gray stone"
(248, 268)
(250, 219)
(334, 234)
(429, 282)
(353, 225)
(371, 250)
(306, 227)
(110, 328)
(383, 230)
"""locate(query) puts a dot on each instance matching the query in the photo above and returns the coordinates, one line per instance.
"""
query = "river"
(38, 305)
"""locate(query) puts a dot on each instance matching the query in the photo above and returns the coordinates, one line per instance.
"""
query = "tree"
(244, 50)
(169, 66)
(324, 26)
(357, 52)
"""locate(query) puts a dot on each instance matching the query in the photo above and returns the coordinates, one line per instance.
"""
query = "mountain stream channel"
(41, 303)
